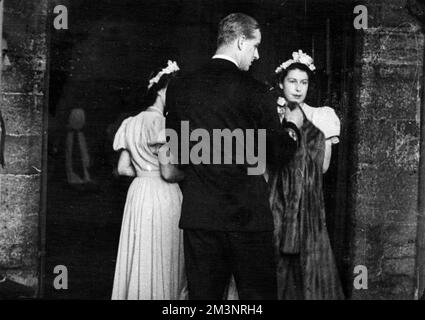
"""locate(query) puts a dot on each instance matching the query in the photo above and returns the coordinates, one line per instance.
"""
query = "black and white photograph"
(213, 150)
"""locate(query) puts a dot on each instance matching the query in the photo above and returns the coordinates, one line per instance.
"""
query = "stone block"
(388, 46)
(399, 234)
(31, 15)
(381, 199)
(376, 141)
(368, 212)
(403, 72)
(375, 237)
(404, 266)
(19, 207)
(25, 276)
(26, 8)
(405, 215)
(390, 91)
(21, 114)
(16, 80)
(28, 58)
(395, 287)
(22, 155)
(19, 242)
(39, 83)
(360, 246)
(406, 152)
(20, 195)
(27, 52)
(390, 266)
(371, 252)
(399, 287)
(398, 195)
(392, 251)
(29, 25)
(390, 13)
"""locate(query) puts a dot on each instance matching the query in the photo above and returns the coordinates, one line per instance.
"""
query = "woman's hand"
(295, 116)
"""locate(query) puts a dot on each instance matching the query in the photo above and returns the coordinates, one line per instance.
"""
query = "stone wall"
(22, 99)
(389, 64)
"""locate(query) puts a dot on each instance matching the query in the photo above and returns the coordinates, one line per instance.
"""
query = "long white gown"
(150, 261)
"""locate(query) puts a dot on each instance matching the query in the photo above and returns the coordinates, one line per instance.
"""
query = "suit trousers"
(211, 257)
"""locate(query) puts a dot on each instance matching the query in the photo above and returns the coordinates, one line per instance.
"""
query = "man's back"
(217, 195)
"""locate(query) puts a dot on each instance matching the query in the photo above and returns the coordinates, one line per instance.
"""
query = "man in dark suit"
(227, 222)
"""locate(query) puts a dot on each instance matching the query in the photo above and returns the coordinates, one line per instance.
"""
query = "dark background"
(102, 64)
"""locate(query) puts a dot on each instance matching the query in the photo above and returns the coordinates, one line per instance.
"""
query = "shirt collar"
(226, 57)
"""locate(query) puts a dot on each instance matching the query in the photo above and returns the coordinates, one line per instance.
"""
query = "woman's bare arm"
(328, 154)
(125, 168)
(169, 171)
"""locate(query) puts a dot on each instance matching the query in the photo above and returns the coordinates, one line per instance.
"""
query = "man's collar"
(226, 57)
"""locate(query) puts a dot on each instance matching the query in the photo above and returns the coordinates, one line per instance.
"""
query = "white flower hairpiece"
(171, 67)
(300, 57)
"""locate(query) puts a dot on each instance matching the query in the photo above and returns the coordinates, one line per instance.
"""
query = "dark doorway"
(102, 64)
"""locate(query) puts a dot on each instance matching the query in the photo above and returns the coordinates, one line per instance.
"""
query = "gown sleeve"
(326, 120)
(156, 135)
(119, 139)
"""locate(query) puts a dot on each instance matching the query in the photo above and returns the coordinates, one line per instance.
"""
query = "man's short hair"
(235, 25)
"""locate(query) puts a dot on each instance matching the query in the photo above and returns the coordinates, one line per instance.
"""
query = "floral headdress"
(171, 67)
(299, 57)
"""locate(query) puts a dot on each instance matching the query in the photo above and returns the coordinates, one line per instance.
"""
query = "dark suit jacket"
(223, 197)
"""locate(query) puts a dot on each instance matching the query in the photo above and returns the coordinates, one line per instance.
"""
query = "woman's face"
(295, 85)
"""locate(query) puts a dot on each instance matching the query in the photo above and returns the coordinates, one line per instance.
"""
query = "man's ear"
(240, 42)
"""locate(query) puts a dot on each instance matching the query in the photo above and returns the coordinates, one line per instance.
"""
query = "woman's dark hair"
(280, 77)
(152, 92)
(296, 65)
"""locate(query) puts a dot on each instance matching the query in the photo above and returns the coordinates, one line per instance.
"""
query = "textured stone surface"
(390, 92)
(19, 195)
(395, 287)
(22, 155)
(25, 32)
(385, 193)
(21, 114)
(25, 276)
(389, 13)
(407, 145)
(18, 246)
(14, 80)
(377, 143)
(23, 85)
(399, 252)
(390, 46)
(401, 266)
(19, 200)
(386, 179)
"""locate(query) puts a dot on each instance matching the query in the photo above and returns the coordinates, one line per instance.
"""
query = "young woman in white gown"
(150, 261)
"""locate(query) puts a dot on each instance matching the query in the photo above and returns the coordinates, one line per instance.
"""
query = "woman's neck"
(158, 104)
